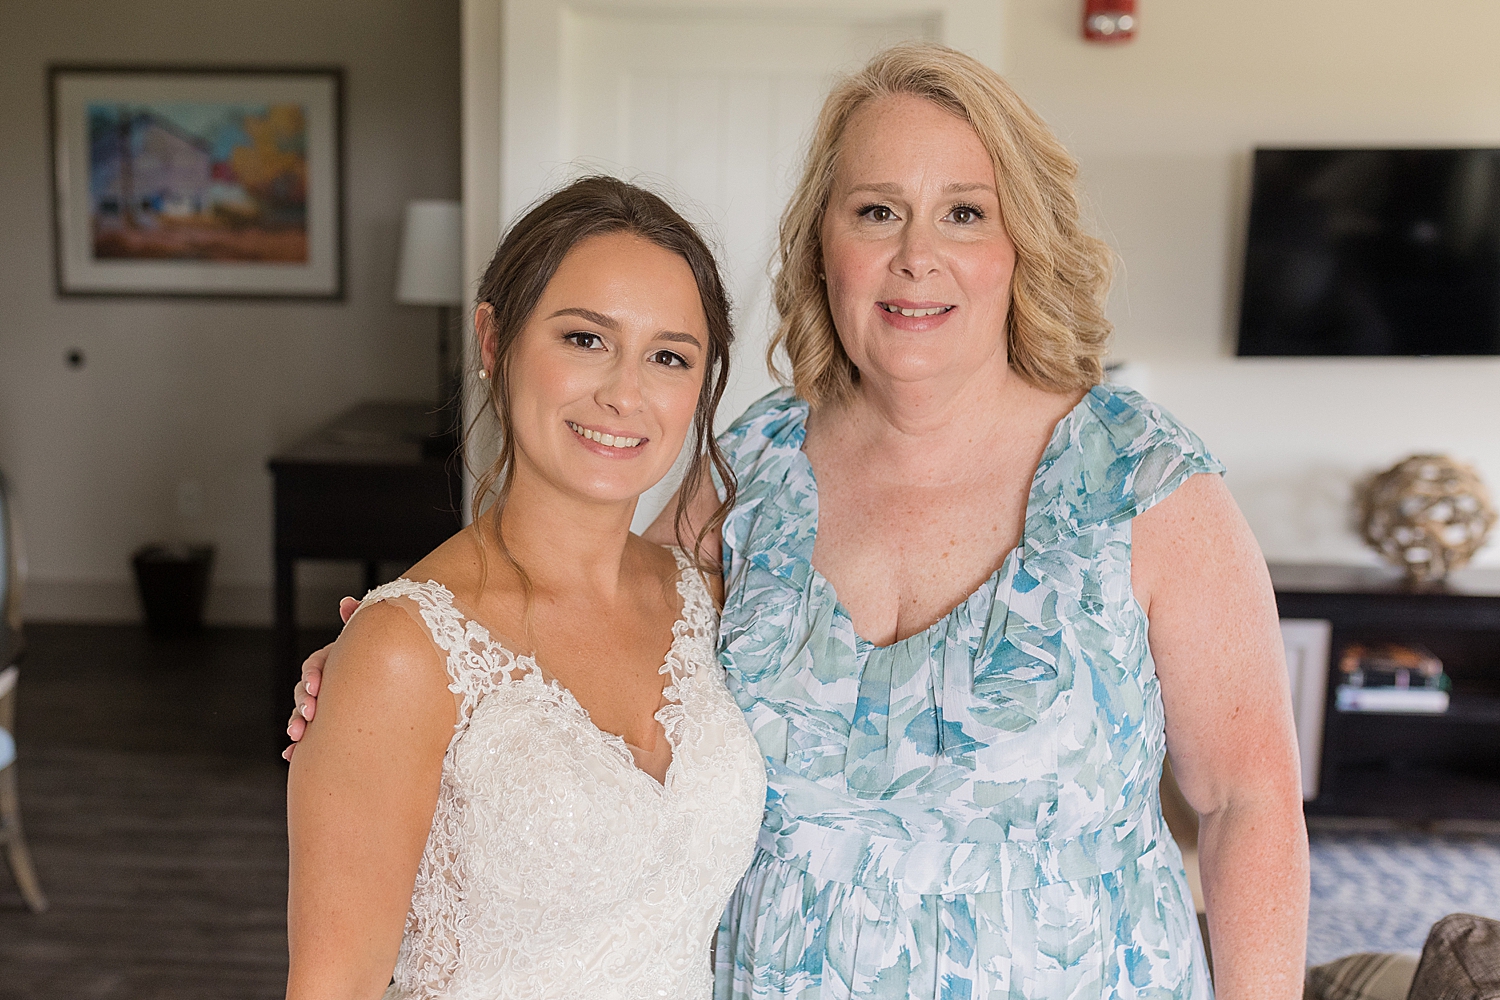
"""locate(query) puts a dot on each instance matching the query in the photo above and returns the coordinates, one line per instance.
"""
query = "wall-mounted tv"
(1372, 252)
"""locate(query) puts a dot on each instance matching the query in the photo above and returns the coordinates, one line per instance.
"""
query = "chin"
(915, 366)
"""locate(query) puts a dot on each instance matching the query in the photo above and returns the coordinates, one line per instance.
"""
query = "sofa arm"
(1460, 961)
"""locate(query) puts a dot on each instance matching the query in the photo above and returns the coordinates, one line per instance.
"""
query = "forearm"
(1253, 860)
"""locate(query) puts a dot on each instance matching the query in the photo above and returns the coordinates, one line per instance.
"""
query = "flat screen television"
(1372, 252)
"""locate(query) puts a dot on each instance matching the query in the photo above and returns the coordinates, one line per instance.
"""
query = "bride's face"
(605, 376)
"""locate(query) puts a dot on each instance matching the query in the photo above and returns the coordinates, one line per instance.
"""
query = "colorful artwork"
(198, 181)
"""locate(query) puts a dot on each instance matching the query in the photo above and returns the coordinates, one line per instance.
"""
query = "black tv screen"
(1373, 252)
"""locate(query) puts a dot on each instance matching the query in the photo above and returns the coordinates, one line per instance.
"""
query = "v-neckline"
(1006, 560)
(530, 666)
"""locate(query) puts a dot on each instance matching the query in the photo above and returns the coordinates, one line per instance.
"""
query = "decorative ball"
(1427, 514)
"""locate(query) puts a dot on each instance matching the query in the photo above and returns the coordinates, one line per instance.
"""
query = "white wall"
(202, 392)
(1164, 127)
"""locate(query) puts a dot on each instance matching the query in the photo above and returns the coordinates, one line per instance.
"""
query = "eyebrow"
(892, 188)
(610, 323)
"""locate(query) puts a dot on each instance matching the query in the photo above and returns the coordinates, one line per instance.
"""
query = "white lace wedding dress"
(556, 867)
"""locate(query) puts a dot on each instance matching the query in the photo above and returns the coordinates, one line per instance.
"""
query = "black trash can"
(173, 583)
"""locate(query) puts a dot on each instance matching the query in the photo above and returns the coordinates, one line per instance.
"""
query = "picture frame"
(197, 181)
(1308, 642)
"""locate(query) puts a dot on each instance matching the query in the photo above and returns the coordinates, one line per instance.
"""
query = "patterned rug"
(1383, 891)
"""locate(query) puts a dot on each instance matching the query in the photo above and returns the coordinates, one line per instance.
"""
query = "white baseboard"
(114, 602)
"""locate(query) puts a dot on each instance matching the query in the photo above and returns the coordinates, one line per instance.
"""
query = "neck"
(924, 410)
(946, 427)
(567, 544)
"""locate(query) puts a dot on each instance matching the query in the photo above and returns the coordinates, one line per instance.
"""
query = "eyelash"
(681, 362)
(577, 336)
(975, 210)
(675, 360)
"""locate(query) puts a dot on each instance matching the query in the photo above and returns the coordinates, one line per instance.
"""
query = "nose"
(621, 389)
(916, 257)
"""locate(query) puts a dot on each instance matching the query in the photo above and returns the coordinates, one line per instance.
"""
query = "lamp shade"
(431, 271)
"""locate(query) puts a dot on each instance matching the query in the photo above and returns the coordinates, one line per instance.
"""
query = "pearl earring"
(483, 374)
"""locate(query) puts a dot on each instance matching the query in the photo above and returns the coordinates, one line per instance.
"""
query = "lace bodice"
(555, 866)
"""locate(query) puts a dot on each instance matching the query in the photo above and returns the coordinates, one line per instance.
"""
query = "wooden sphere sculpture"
(1427, 514)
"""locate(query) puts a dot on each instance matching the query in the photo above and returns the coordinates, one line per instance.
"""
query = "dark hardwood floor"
(154, 804)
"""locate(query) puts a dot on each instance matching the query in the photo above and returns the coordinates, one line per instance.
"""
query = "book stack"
(1388, 677)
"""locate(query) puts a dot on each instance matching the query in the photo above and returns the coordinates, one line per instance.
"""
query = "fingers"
(347, 607)
(312, 669)
(307, 704)
(287, 753)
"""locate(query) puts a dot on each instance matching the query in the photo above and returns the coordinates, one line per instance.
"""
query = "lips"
(619, 442)
(915, 310)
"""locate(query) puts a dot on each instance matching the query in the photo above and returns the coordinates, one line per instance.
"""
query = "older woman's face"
(917, 260)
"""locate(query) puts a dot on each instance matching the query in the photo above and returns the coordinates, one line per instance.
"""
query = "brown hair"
(524, 263)
(1056, 333)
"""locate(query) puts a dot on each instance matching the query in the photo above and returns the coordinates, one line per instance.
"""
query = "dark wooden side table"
(1419, 768)
(378, 484)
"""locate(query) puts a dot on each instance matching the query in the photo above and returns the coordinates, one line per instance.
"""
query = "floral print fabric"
(972, 811)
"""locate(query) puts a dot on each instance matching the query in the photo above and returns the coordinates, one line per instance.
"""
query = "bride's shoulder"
(386, 648)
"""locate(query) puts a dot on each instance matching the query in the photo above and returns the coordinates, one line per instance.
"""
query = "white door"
(708, 103)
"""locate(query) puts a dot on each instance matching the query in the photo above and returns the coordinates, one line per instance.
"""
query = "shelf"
(1475, 709)
(1397, 765)
(1418, 794)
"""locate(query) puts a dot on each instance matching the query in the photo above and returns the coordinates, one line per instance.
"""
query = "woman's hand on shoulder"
(360, 799)
(305, 693)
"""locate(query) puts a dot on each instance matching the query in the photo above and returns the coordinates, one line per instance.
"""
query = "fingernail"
(286, 754)
(305, 714)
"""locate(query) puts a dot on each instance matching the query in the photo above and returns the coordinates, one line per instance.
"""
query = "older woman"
(974, 595)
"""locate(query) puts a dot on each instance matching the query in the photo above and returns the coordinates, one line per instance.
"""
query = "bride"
(527, 777)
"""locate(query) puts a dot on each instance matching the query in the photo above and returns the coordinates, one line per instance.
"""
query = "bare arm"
(1201, 577)
(360, 800)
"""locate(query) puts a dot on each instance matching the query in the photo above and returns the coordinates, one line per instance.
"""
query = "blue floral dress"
(973, 811)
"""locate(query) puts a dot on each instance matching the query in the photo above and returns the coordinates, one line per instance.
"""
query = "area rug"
(1382, 891)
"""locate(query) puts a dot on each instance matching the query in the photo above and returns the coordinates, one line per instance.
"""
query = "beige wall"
(190, 397)
(1164, 127)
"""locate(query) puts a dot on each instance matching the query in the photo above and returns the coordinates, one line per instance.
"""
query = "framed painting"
(198, 181)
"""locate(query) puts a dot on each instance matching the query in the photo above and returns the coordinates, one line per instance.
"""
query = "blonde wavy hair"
(1056, 333)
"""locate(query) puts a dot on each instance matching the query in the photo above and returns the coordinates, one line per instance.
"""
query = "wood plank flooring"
(154, 803)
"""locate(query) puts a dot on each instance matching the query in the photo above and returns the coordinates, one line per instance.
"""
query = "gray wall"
(164, 434)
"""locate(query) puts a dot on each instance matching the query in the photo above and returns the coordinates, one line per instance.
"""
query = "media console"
(1419, 768)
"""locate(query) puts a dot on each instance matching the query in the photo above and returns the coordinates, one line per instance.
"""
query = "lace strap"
(699, 622)
(475, 663)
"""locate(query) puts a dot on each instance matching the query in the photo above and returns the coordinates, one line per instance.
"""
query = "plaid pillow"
(1460, 961)
(1361, 977)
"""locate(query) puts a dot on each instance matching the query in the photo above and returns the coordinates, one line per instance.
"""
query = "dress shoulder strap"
(1113, 457)
(475, 662)
(699, 616)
